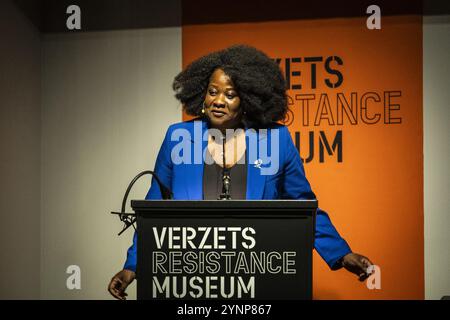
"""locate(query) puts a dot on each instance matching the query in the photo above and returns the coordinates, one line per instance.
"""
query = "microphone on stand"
(226, 179)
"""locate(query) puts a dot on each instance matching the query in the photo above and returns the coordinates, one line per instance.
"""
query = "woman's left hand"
(357, 264)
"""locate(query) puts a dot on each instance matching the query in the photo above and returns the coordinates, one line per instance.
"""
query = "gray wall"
(20, 131)
(107, 102)
(436, 123)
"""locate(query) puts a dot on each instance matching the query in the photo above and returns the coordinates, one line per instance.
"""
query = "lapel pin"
(258, 163)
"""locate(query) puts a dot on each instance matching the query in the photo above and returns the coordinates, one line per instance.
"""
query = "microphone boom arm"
(129, 219)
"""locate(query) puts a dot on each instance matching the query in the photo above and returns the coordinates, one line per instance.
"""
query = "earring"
(203, 109)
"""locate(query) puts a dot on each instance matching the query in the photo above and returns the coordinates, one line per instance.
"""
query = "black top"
(212, 181)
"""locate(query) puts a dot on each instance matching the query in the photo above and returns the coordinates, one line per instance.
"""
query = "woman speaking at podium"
(238, 95)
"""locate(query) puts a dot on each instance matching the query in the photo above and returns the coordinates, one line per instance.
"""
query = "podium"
(232, 249)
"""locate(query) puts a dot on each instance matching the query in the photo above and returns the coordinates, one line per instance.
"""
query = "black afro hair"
(257, 78)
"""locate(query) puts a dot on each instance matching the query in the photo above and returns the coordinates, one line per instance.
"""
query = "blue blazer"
(289, 182)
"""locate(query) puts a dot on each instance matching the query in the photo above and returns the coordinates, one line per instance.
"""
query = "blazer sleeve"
(163, 169)
(328, 243)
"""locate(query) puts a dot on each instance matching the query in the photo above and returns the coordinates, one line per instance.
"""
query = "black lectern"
(225, 249)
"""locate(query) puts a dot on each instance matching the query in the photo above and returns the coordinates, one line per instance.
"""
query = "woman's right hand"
(120, 282)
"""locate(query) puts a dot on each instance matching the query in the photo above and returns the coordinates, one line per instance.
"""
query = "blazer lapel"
(194, 172)
(255, 180)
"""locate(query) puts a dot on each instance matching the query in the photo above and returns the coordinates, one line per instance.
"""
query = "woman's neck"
(223, 129)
